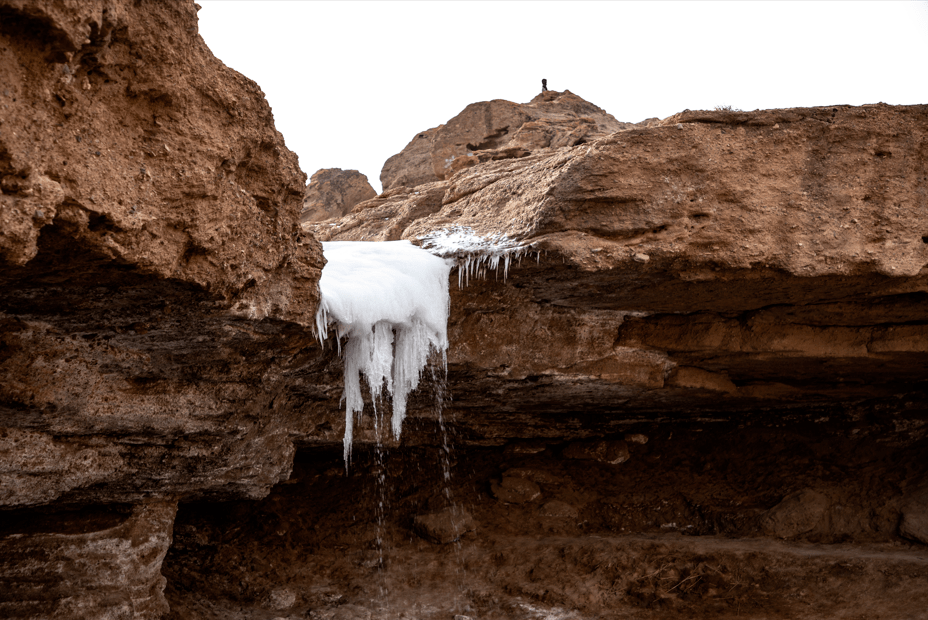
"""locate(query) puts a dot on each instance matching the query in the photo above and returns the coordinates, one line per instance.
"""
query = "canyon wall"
(155, 291)
(698, 390)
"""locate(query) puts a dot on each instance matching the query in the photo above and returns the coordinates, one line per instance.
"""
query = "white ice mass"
(390, 299)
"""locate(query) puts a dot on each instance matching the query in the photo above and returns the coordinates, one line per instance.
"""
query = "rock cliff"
(735, 303)
(716, 261)
(698, 390)
(155, 286)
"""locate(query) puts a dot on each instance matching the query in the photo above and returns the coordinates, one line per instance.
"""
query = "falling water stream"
(390, 301)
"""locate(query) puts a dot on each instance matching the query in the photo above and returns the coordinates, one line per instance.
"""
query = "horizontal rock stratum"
(713, 260)
(698, 391)
(154, 285)
(743, 293)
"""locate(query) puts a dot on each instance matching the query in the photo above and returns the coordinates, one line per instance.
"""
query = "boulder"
(445, 526)
(515, 490)
(333, 192)
(558, 510)
(797, 514)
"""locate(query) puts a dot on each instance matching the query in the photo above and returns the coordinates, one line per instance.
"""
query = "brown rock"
(154, 173)
(90, 563)
(281, 599)
(558, 510)
(541, 476)
(351, 612)
(797, 514)
(728, 309)
(148, 225)
(519, 448)
(496, 130)
(914, 524)
(333, 192)
(445, 526)
(515, 490)
(172, 173)
(612, 452)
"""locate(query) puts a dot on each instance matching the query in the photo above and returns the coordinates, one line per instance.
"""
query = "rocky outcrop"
(497, 130)
(734, 301)
(333, 192)
(166, 224)
(711, 325)
(154, 291)
(86, 563)
(712, 263)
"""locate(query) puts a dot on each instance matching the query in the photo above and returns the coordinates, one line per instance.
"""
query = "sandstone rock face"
(149, 213)
(90, 563)
(785, 264)
(333, 192)
(116, 144)
(497, 130)
(741, 296)
(155, 289)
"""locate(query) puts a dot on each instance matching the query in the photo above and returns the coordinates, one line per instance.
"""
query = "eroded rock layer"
(715, 262)
(698, 390)
(155, 289)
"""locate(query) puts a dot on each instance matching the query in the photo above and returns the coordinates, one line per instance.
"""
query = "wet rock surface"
(85, 563)
(677, 531)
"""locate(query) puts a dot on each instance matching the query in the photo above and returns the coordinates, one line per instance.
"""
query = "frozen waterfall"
(390, 300)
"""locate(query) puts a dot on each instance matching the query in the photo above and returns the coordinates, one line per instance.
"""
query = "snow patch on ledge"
(472, 253)
(390, 300)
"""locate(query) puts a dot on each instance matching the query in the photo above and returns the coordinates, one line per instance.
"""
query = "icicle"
(473, 254)
(390, 299)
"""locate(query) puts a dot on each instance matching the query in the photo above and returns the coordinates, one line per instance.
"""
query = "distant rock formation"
(494, 130)
(333, 192)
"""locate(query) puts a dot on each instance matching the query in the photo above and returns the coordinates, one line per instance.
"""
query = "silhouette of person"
(544, 86)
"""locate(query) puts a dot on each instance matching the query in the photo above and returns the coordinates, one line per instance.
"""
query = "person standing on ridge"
(544, 85)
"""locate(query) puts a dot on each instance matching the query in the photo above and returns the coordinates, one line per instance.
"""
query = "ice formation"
(472, 253)
(390, 299)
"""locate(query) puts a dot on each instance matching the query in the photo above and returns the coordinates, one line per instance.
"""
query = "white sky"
(351, 83)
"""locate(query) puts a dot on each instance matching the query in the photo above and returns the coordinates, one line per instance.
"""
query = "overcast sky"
(351, 83)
